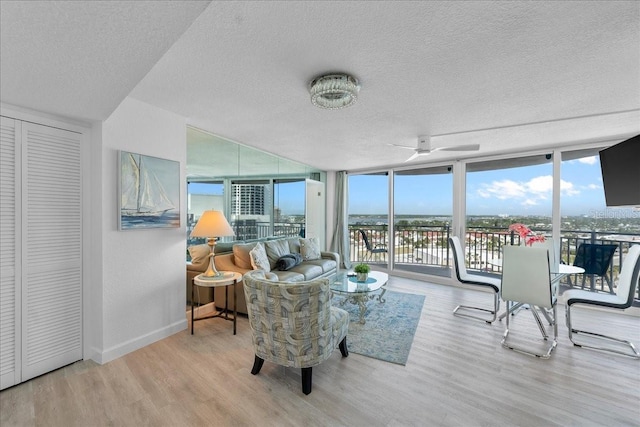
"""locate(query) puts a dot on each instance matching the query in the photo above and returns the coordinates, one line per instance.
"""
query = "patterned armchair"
(293, 323)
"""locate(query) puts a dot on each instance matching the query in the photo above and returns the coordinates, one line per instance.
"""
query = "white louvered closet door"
(40, 250)
(51, 249)
(9, 250)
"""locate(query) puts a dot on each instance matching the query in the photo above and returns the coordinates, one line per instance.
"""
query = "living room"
(58, 70)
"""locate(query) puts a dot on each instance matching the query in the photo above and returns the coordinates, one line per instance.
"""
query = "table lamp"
(212, 224)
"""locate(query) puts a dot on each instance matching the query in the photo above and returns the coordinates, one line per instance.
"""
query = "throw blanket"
(285, 262)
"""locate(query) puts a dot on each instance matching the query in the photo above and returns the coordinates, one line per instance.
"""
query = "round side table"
(226, 279)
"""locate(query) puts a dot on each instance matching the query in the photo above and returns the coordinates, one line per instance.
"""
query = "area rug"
(389, 329)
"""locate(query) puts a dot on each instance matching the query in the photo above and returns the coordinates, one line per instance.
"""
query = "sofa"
(263, 254)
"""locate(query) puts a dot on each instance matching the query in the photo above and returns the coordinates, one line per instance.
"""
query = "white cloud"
(502, 190)
(540, 184)
(588, 160)
(527, 193)
(568, 189)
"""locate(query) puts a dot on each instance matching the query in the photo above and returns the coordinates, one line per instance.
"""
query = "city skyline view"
(517, 191)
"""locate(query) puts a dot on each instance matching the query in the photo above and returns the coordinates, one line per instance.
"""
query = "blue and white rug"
(389, 329)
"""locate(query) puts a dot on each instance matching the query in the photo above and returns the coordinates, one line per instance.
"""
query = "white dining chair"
(549, 244)
(623, 298)
(484, 282)
(526, 279)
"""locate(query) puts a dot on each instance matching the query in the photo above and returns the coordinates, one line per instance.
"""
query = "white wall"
(143, 271)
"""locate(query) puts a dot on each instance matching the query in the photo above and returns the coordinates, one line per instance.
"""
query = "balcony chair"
(623, 298)
(293, 323)
(596, 260)
(378, 248)
(490, 283)
(526, 279)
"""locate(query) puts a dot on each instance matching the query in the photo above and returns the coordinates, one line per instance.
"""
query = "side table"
(226, 279)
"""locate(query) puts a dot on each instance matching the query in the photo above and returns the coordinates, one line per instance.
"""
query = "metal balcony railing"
(427, 247)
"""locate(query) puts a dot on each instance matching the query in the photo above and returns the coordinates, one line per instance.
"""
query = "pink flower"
(521, 229)
(526, 234)
(529, 240)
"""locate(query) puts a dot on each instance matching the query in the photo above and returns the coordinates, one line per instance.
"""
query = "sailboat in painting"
(142, 193)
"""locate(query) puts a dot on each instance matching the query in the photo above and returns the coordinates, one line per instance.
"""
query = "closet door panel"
(51, 250)
(9, 247)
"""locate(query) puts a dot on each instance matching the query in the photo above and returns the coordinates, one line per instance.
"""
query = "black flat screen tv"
(620, 166)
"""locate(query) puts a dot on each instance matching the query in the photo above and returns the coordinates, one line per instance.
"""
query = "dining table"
(557, 273)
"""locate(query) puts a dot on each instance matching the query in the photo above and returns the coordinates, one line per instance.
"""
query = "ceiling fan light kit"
(333, 91)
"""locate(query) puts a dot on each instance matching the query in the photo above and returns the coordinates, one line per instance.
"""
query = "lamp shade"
(212, 224)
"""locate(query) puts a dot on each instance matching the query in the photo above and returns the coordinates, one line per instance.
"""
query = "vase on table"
(362, 277)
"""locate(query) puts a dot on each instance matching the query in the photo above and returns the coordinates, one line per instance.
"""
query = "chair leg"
(489, 320)
(343, 347)
(551, 347)
(306, 380)
(257, 365)
(634, 353)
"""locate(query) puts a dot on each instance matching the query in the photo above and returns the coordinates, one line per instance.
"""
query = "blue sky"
(515, 191)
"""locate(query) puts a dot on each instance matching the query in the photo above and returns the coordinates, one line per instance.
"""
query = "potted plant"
(362, 271)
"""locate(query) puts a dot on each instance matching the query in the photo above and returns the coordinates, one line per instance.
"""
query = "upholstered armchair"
(293, 324)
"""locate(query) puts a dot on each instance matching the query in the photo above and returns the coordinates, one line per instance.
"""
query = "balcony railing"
(250, 230)
(425, 249)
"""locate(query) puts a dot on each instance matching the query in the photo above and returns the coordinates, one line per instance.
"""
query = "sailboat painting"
(149, 192)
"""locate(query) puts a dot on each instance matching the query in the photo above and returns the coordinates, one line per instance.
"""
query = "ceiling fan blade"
(402, 146)
(417, 154)
(469, 147)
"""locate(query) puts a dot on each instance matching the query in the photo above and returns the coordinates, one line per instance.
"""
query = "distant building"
(249, 199)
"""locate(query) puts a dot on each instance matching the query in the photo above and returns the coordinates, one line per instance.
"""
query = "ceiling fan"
(425, 148)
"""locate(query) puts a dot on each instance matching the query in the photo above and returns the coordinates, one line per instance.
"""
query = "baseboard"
(137, 343)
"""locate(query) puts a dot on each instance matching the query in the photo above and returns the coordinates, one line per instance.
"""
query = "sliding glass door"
(423, 209)
(369, 217)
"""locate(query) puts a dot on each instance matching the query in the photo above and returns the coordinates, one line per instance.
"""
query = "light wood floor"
(457, 375)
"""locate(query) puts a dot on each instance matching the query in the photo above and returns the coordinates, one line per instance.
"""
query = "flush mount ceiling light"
(333, 91)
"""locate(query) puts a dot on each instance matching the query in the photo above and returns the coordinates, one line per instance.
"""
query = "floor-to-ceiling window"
(500, 193)
(423, 209)
(369, 215)
(251, 208)
(288, 207)
(586, 219)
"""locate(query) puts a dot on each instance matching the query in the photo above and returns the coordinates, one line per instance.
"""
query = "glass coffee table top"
(344, 283)
(359, 293)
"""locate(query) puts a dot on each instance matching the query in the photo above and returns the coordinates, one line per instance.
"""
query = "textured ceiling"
(504, 74)
(80, 59)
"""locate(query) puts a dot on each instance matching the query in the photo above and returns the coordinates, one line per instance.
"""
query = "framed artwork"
(148, 192)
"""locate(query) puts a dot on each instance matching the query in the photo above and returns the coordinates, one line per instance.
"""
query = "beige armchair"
(294, 324)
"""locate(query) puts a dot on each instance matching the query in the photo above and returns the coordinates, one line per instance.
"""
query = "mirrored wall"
(261, 194)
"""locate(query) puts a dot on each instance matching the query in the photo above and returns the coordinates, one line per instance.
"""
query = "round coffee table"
(359, 293)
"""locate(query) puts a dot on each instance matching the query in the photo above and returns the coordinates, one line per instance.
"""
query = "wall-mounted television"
(620, 166)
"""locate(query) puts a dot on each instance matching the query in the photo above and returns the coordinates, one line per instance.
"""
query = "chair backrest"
(525, 276)
(458, 258)
(365, 239)
(548, 244)
(595, 259)
(629, 276)
(290, 321)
